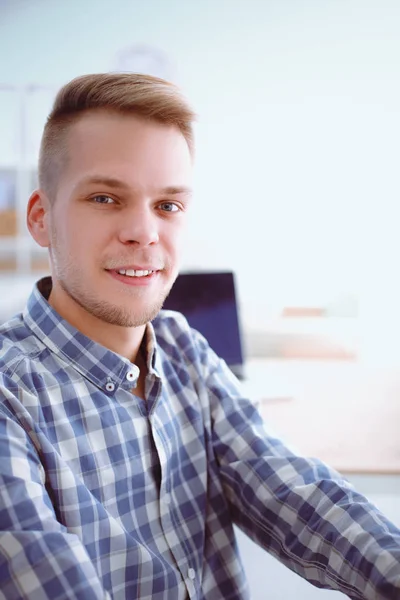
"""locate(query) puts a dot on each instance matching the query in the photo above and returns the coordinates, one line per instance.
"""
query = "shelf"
(23, 115)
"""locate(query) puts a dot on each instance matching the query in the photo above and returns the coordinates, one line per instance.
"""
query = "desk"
(345, 413)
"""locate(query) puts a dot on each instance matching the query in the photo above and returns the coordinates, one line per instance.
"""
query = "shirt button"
(191, 573)
(110, 386)
(132, 374)
(167, 498)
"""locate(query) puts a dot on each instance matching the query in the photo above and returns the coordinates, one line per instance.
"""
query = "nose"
(139, 226)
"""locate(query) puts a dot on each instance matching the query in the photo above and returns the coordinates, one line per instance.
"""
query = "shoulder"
(181, 343)
(18, 346)
(172, 326)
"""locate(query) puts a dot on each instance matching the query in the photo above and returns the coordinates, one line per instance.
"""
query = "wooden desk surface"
(345, 413)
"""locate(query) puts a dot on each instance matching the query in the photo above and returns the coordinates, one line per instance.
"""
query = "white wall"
(299, 106)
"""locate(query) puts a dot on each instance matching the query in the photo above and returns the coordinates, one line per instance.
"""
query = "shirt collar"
(153, 355)
(104, 368)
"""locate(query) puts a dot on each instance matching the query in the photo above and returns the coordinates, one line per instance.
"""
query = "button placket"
(190, 588)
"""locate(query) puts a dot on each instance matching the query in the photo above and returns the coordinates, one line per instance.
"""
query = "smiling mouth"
(135, 273)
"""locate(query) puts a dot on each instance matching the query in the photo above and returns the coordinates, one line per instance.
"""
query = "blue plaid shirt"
(104, 495)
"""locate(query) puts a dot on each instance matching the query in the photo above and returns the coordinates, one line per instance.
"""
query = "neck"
(124, 341)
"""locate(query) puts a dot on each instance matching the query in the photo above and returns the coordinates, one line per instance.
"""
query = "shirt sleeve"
(39, 559)
(297, 508)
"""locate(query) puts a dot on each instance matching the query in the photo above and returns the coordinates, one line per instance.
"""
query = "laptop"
(209, 302)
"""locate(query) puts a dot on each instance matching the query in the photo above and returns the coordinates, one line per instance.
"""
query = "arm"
(38, 557)
(298, 509)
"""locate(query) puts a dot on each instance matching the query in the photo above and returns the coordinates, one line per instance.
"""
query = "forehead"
(129, 147)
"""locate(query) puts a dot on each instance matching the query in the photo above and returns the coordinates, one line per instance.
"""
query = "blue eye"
(169, 207)
(102, 199)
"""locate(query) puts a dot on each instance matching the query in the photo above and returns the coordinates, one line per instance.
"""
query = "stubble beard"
(112, 313)
(72, 280)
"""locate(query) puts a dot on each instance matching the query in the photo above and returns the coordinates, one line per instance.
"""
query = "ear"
(37, 218)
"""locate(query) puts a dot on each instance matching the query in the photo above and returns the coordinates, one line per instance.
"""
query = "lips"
(140, 277)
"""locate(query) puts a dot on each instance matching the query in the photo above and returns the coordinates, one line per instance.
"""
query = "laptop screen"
(208, 301)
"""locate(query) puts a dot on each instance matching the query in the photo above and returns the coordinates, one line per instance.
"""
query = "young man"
(127, 451)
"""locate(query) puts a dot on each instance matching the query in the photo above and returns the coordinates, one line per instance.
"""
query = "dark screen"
(208, 301)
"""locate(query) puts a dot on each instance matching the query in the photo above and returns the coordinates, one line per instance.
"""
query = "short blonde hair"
(126, 93)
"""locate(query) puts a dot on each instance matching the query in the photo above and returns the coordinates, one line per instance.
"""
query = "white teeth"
(133, 273)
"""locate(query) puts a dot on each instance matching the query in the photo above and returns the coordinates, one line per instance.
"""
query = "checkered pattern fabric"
(106, 495)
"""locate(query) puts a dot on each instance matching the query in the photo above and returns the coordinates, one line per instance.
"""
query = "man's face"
(118, 214)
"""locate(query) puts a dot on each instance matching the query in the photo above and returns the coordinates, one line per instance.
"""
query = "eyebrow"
(119, 184)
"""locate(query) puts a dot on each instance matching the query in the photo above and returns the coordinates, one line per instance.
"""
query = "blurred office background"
(297, 193)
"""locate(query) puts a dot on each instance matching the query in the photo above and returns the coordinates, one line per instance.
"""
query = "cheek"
(176, 236)
(84, 237)
(180, 241)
